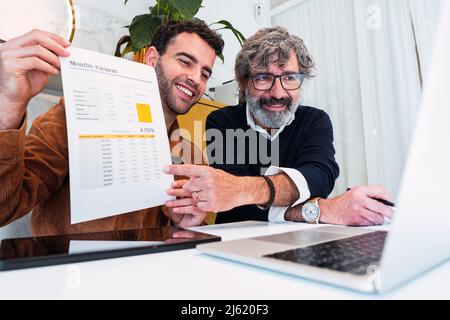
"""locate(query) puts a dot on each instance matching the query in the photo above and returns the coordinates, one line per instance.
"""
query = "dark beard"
(165, 91)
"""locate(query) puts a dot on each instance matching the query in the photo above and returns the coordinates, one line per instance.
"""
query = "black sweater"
(305, 145)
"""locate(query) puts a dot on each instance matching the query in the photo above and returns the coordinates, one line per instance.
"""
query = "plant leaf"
(177, 9)
(195, 19)
(163, 9)
(187, 8)
(142, 30)
(127, 49)
(227, 25)
(222, 58)
(122, 41)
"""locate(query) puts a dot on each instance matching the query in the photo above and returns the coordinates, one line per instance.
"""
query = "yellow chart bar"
(144, 112)
(116, 136)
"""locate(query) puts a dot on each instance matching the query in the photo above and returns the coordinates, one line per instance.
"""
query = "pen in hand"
(385, 202)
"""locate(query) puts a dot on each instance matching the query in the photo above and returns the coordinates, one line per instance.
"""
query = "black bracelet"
(272, 194)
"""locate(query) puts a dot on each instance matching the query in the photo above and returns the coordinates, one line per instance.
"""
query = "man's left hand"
(184, 211)
(212, 189)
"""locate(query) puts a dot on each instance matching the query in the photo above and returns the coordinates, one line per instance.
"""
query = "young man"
(34, 168)
(298, 140)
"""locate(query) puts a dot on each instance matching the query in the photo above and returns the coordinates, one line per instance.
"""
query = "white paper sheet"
(117, 136)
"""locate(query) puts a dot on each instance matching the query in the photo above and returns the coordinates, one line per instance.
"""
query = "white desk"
(188, 274)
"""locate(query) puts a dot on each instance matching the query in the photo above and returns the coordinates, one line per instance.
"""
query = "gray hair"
(256, 54)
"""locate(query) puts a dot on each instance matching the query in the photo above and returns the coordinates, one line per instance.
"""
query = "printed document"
(117, 136)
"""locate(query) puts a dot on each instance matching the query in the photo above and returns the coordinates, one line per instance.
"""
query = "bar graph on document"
(117, 136)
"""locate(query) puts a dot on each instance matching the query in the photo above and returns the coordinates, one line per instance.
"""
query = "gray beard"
(271, 119)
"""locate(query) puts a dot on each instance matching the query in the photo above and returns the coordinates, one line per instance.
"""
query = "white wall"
(241, 13)
(117, 7)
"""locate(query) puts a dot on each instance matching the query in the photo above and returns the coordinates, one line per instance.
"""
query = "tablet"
(32, 252)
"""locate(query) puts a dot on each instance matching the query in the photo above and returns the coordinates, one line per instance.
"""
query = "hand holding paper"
(116, 133)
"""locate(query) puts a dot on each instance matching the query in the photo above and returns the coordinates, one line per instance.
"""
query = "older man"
(288, 171)
(34, 168)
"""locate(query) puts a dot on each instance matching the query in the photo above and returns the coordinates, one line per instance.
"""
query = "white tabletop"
(188, 274)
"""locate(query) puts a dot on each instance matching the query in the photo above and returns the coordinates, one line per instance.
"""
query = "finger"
(201, 196)
(373, 217)
(66, 43)
(205, 206)
(197, 212)
(378, 207)
(179, 183)
(34, 63)
(188, 210)
(194, 185)
(37, 35)
(188, 170)
(378, 192)
(63, 41)
(181, 193)
(180, 203)
(34, 51)
(190, 219)
(183, 234)
(48, 40)
(360, 221)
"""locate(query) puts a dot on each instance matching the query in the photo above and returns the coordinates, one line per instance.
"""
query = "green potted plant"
(143, 27)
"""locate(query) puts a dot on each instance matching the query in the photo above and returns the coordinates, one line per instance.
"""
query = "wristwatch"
(311, 211)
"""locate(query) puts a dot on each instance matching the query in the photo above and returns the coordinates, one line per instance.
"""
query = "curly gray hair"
(256, 54)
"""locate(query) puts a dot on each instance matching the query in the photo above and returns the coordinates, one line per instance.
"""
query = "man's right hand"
(25, 65)
(357, 207)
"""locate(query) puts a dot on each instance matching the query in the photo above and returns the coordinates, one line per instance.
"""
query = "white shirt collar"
(264, 132)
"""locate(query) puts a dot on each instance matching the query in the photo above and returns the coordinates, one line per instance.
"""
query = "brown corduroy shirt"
(34, 176)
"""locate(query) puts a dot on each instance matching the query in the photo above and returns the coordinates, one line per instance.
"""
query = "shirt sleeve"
(32, 165)
(276, 214)
(11, 168)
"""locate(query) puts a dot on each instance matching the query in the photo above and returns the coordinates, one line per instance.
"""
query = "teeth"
(276, 106)
(183, 89)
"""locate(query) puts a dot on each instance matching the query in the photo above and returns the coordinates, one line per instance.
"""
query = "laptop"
(419, 237)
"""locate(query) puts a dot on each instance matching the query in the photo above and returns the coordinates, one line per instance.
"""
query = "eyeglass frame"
(275, 77)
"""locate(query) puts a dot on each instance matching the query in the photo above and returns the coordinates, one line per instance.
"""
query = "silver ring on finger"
(195, 196)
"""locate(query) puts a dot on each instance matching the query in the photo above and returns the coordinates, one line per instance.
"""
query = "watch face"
(310, 212)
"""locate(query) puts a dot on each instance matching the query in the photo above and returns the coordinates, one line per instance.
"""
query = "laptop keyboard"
(358, 255)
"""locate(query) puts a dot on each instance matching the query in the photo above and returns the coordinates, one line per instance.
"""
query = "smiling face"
(275, 107)
(183, 71)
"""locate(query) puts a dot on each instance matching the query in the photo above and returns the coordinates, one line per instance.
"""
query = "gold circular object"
(72, 11)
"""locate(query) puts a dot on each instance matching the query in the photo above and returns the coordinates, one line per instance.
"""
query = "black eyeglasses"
(290, 81)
